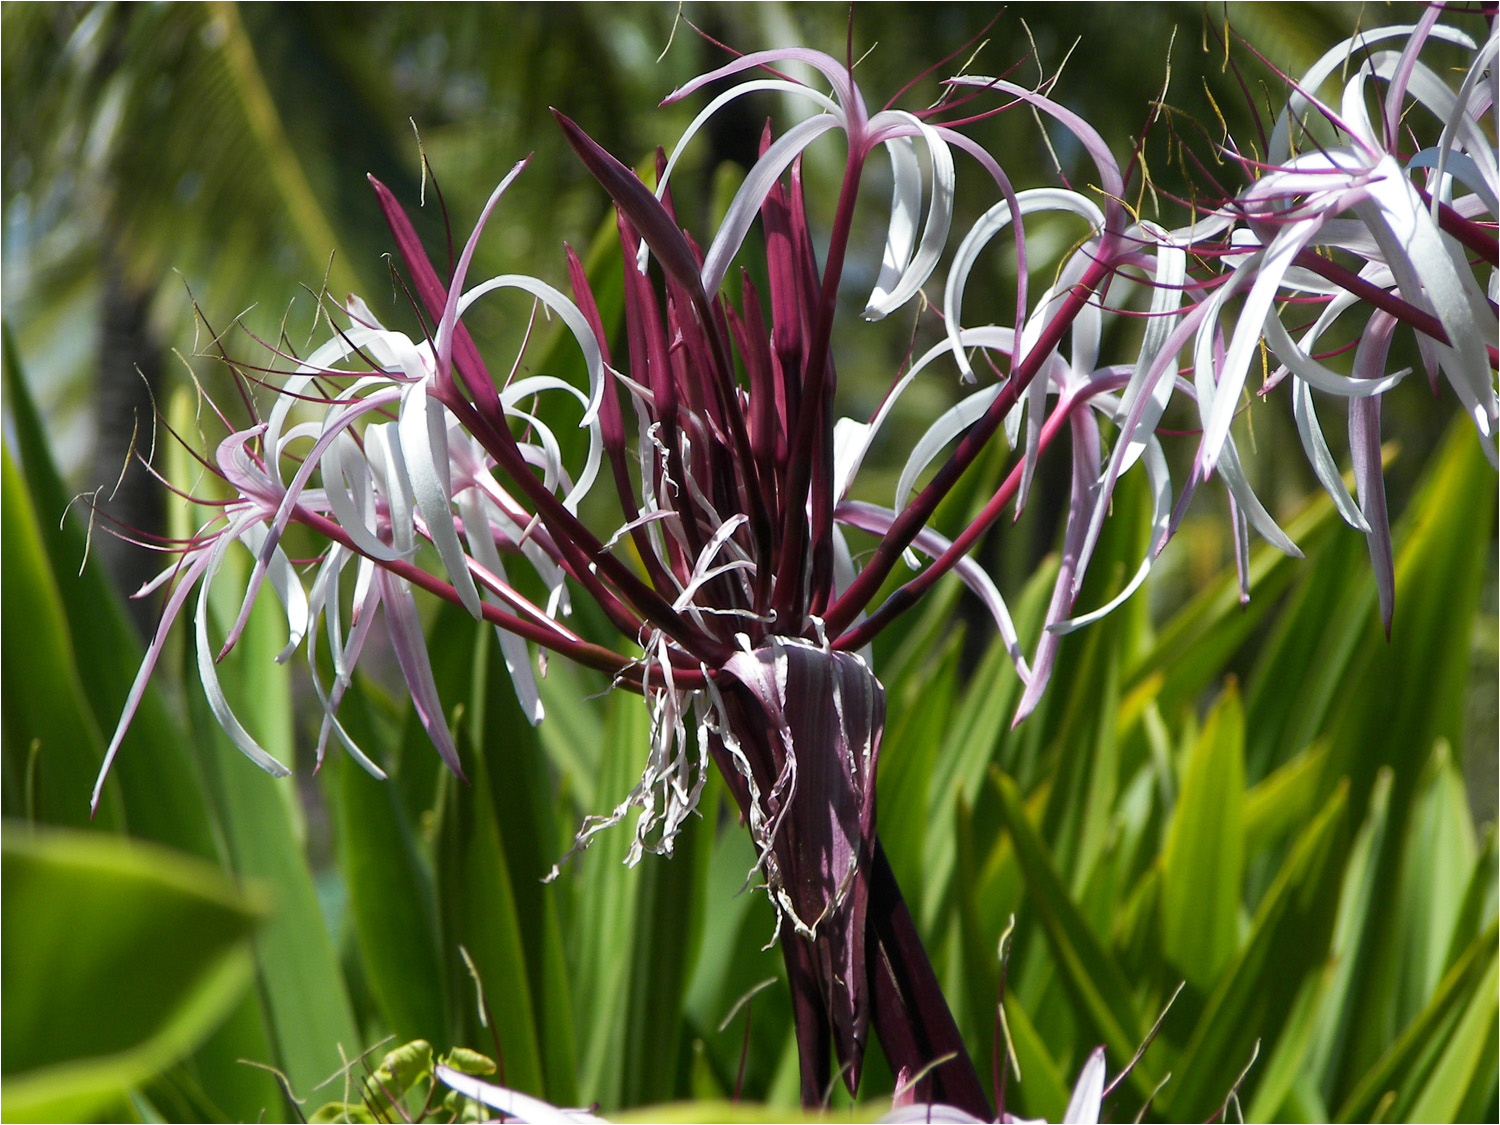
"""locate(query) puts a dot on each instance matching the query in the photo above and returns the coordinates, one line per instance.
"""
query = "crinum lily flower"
(715, 422)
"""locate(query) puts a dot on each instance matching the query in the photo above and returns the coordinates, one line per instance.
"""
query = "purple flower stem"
(916, 515)
(1381, 298)
(907, 1006)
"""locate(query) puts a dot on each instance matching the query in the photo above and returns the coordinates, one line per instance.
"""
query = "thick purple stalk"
(907, 1006)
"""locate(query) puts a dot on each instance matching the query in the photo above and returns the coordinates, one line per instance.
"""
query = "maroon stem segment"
(907, 1005)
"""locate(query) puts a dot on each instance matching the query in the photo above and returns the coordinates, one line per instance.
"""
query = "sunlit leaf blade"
(1291, 932)
(1420, 1040)
(159, 773)
(975, 736)
(1478, 907)
(1465, 1062)
(1402, 696)
(1435, 871)
(524, 800)
(1283, 800)
(118, 959)
(1204, 860)
(392, 905)
(909, 758)
(53, 746)
(477, 910)
(1193, 647)
(306, 1005)
(1087, 967)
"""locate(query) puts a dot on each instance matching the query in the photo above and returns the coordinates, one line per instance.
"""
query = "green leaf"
(978, 726)
(478, 913)
(158, 770)
(1102, 993)
(1204, 859)
(1465, 1060)
(1435, 872)
(118, 959)
(1404, 1061)
(1478, 907)
(1350, 933)
(524, 797)
(307, 1007)
(1289, 938)
(1404, 695)
(391, 899)
(1283, 800)
(1194, 646)
(1040, 1091)
(158, 775)
(920, 710)
(52, 743)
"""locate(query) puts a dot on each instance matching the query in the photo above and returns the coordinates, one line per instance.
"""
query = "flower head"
(713, 418)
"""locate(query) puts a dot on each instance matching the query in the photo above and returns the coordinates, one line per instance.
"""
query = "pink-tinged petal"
(1081, 503)
(1234, 477)
(1240, 530)
(893, 291)
(346, 485)
(949, 425)
(322, 603)
(1461, 125)
(423, 427)
(1147, 388)
(1416, 253)
(447, 325)
(187, 576)
(208, 673)
(1364, 449)
(513, 649)
(410, 647)
(287, 588)
(1218, 410)
(1401, 73)
(924, 1112)
(1300, 99)
(557, 302)
(434, 296)
(837, 74)
(1320, 457)
(1111, 181)
(1083, 1106)
(764, 85)
(1369, 482)
(1315, 374)
(906, 209)
(1157, 474)
(383, 451)
(878, 521)
(995, 220)
(761, 179)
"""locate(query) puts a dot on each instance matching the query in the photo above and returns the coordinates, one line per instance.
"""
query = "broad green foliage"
(118, 959)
